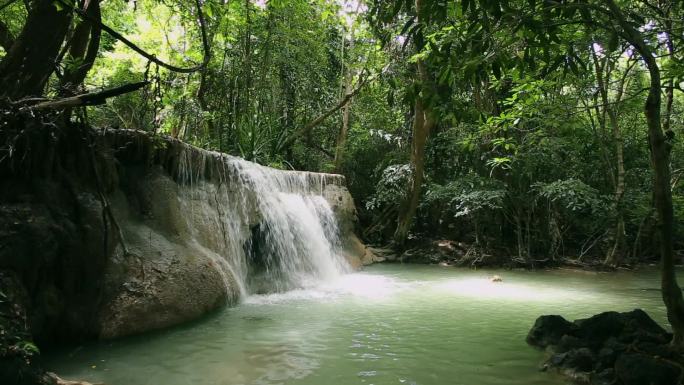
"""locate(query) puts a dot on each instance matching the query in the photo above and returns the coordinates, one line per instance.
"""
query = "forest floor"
(447, 252)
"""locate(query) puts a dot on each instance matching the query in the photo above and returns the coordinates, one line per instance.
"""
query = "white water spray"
(279, 231)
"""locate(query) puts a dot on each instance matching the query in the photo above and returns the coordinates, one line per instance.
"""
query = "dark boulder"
(548, 330)
(642, 369)
(597, 329)
(606, 357)
(612, 348)
(604, 377)
(579, 360)
(569, 342)
(557, 359)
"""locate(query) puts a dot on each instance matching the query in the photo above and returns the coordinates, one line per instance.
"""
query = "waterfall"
(278, 229)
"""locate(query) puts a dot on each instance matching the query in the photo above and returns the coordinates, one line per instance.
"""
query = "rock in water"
(642, 369)
(581, 360)
(548, 330)
(609, 348)
(597, 329)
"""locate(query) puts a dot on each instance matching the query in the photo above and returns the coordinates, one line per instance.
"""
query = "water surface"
(390, 324)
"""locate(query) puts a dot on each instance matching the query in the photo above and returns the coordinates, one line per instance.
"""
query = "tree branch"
(205, 43)
(318, 120)
(84, 46)
(89, 99)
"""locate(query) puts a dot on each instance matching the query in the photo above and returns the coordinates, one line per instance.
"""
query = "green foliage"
(515, 92)
(573, 195)
(467, 196)
(391, 187)
(523, 143)
(15, 340)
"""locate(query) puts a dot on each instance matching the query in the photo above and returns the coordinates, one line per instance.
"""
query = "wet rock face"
(167, 293)
(609, 348)
(53, 240)
(342, 204)
(158, 255)
(173, 268)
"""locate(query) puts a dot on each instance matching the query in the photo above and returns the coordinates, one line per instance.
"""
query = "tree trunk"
(83, 49)
(519, 235)
(423, 122)
(247, 74)
(206, 84)
(346, 110)
(342, 137)
(26, 68)
(615, 254)
(669, 91)
(660, 157)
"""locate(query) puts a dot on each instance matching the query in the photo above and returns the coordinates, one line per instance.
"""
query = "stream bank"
(447, 252)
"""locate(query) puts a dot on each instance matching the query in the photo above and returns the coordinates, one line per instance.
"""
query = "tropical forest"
(353, 192)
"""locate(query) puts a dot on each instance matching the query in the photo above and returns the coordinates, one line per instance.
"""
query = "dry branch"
(205, 42)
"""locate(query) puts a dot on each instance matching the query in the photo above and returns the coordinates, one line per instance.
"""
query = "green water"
(390, 324)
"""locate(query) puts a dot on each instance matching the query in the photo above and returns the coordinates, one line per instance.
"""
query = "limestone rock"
(165, 293)
(134, 237)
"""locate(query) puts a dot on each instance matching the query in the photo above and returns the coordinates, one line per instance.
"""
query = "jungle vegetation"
(535, 129)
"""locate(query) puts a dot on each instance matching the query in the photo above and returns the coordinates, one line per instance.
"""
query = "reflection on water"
(485, 289)
(391, 324)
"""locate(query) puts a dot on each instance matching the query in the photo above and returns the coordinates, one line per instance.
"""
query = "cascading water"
(296, 240)
(279, 230)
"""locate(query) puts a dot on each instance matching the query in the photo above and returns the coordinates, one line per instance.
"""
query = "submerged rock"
(609, 348)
